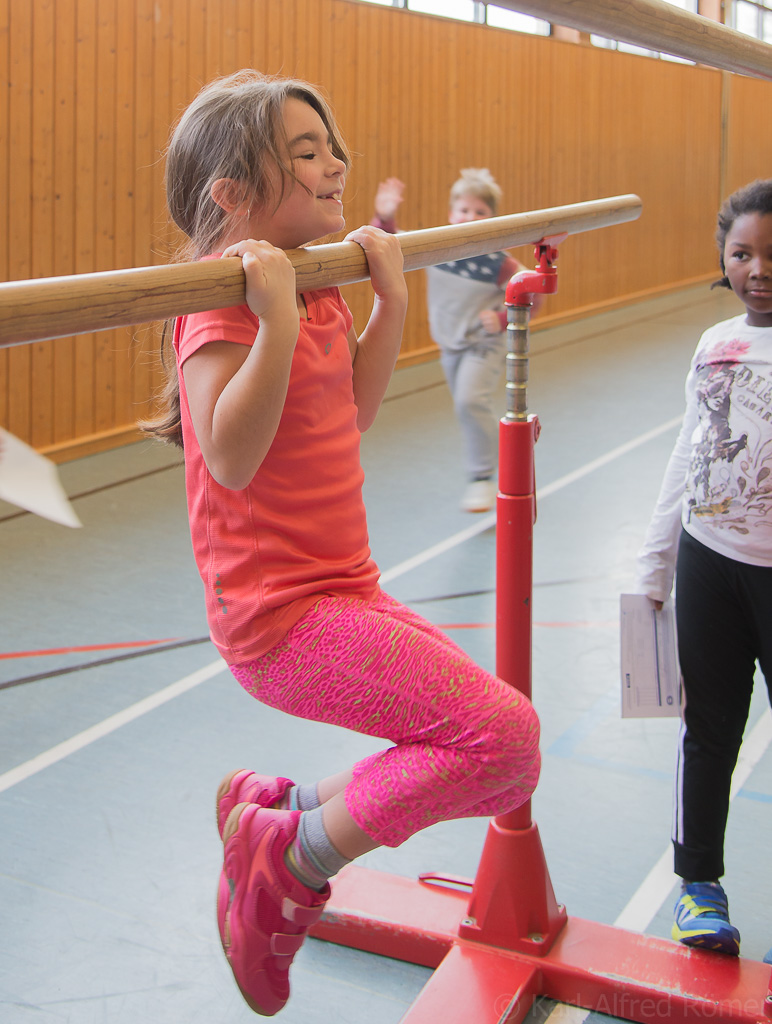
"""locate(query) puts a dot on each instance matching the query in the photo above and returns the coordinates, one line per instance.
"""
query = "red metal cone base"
(513, 904)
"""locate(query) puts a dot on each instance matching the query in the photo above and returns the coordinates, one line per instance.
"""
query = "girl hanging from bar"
(269, 399)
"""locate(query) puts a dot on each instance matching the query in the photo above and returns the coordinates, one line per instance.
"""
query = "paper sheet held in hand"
(651, 677)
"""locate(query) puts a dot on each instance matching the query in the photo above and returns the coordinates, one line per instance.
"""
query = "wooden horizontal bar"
(58, 307)
(660, 26)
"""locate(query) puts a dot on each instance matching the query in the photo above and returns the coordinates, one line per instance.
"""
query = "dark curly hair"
(753, 198)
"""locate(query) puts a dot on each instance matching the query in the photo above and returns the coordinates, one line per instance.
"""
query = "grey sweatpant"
(473, 375)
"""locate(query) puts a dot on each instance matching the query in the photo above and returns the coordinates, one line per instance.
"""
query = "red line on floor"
(541, 625)
(86, 647)
(4, 656)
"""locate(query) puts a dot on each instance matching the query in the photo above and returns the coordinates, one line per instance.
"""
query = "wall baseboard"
(91, 444)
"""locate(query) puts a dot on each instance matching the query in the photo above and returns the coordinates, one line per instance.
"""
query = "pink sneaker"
(246, 787)
(239, 787)
(269, 911)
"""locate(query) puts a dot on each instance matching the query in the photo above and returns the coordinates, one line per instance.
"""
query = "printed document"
(651, 677)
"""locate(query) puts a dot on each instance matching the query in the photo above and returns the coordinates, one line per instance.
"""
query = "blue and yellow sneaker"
(702, 919)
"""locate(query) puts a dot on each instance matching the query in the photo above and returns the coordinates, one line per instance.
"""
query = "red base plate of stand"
(599, 967)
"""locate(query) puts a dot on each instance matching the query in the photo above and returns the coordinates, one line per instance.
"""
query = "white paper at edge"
(31, 481)
(651, 676)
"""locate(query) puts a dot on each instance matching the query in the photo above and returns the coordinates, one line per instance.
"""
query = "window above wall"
(502, 17)
(473, 11)
(753, 17)
(614, 44)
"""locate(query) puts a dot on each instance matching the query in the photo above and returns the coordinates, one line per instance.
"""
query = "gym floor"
(111, 750)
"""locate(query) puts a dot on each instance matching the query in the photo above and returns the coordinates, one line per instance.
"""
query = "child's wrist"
(394, 293)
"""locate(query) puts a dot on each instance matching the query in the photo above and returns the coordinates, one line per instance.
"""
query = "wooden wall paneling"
(316, 39)
(107, 366)
(430, 169)
(163, 117)
(259, 49)
(648, 114)
(398, 155)
(213, 62)
(496, 116)
(127, 355)
(431, 89)
(307, 48)
(451, 80)
(85, 190)
(275, 55)
(146, 156)
(390, 139)
(589, 268)
(295, 37)
(63, 238)
(194, 52)
(147, 181)
(338, 69)
(368, 89)
(5, 155)
(190, 32)
(420, 206)
(338, 81)
(19, 204)
(165, 68)
(184, 15)
(500, 114)
(42, 212)
(698, 198)
(398, 151)
(569, 168)
(749, 141)
(521, 107)
(244, 34)
(631, 134)
(228, 40)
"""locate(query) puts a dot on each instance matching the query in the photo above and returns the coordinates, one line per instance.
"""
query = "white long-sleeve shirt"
(718, 481)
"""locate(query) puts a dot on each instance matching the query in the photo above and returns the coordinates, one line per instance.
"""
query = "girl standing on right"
(712, 527)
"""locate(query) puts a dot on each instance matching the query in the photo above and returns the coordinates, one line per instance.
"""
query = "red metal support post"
(496, 950)
(513, 904)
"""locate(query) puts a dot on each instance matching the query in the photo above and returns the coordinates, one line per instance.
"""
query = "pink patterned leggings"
(465, 743)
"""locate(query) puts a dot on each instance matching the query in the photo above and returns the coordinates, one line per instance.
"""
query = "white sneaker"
(479, 496)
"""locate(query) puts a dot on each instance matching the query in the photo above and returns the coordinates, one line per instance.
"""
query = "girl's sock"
(302, 798)
(311, 857)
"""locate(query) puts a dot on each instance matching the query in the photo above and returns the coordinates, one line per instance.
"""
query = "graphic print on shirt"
(731, 469)
(477, 268)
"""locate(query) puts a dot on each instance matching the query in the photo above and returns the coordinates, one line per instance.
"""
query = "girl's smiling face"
(313, 205)
(748, 263)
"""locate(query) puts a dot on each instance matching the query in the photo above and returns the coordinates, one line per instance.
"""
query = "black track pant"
(724, 620)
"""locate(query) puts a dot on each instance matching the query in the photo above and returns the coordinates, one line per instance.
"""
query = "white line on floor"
(486, 522)
(95, 732)
(108, 725)
(645, 903)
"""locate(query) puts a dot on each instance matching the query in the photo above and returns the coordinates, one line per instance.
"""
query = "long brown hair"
(233, 129)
